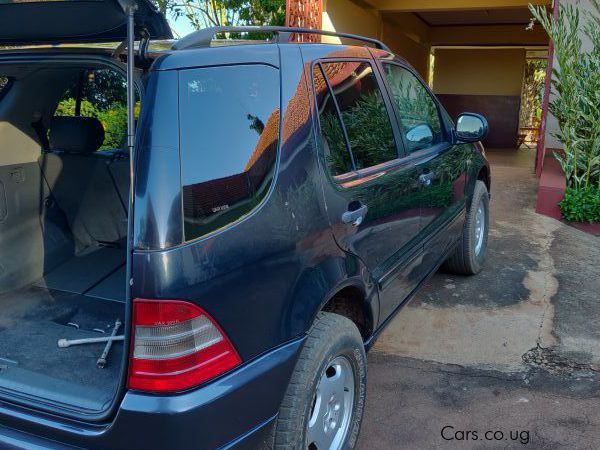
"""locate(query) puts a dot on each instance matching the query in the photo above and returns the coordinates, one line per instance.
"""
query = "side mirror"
(420, 135)
(471, 127)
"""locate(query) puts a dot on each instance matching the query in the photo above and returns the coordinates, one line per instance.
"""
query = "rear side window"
(229, 134)
(419, 115)
(363, 113)
(337, 153)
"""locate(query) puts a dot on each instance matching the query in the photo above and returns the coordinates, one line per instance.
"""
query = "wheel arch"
(352, 299)
(484, 175)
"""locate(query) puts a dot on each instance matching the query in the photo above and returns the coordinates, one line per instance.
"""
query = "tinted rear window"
(335, 147)
(229, 119)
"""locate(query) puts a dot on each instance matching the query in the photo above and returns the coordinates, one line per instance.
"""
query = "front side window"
(229, 133)
(363, 112)
(418, 112)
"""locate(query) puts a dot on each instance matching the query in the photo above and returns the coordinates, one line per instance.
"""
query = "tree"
(209, 13)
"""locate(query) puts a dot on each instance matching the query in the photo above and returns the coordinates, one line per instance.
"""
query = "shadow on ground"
(516, 347)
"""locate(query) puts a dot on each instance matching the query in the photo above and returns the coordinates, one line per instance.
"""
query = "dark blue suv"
(216, 284)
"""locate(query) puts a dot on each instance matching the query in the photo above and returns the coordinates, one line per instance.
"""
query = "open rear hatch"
(77, 21)
(85, 290)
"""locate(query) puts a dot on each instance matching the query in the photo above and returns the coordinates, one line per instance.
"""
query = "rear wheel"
(469, 257)
(323, 405)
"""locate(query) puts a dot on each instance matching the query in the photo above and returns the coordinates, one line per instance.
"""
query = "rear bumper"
(236, 411)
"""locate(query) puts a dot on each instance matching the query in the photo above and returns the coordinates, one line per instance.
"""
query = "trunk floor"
(99, 272)
(32, 320)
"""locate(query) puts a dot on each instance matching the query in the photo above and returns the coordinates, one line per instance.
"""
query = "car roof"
(266, 52)
(221, 51)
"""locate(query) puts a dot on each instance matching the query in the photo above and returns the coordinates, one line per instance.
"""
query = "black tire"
(330, 337)
(465, 260)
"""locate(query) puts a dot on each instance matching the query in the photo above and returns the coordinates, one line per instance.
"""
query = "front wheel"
(324, 402)
(470, 254)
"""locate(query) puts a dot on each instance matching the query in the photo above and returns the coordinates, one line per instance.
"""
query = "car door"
(442, 166)
(370, 190)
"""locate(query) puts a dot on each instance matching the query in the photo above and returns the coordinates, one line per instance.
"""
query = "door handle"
(356, 216)
(426, 178)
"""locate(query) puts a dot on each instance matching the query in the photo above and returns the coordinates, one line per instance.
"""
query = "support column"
(304, 14)
(541, 146)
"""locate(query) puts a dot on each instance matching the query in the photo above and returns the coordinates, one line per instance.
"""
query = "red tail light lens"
(176, 346)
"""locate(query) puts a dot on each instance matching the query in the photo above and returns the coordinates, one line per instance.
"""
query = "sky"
(180, 27)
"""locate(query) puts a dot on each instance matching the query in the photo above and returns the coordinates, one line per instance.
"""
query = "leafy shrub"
(581, 205)
(576, 106)
(114, 121)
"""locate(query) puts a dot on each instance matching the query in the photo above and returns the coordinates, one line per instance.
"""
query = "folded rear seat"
(80, 181)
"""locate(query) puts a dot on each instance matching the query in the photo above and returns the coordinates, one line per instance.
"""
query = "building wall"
(485, 81)
(479, 72)
(346, 16)
(409, 38)
(402, 32)
(499, 35)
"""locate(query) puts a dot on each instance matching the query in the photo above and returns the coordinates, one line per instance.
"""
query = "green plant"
(576, 85)
(533, 93)
(581, 205)
(209, 13)
(576, 105)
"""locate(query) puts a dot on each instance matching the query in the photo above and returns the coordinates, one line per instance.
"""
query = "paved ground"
(515, 349)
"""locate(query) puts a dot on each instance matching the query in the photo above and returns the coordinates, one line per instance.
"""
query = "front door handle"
(426, 178)
(356, 216)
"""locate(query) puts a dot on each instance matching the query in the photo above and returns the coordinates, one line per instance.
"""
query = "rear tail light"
(176, 346)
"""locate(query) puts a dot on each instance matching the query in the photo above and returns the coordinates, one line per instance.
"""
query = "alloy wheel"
(332, 407)
(479, 227)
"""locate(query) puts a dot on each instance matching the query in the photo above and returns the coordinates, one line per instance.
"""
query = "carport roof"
(455, 5)
(503, 16)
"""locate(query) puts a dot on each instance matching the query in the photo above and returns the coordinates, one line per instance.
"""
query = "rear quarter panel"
(263, 279)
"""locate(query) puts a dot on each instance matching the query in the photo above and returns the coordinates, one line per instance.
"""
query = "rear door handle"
(356, 216)
(426, 178)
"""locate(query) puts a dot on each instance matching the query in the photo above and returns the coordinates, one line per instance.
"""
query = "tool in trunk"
(101, 363)
(64, 343)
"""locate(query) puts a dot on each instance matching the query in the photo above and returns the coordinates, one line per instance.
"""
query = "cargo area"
(64, 185)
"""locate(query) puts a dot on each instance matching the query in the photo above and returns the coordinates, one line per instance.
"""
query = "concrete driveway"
(512, 355)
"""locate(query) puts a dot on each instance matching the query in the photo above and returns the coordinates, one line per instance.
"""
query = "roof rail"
(203, 38)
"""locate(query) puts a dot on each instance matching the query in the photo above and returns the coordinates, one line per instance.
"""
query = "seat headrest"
(75, 134)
